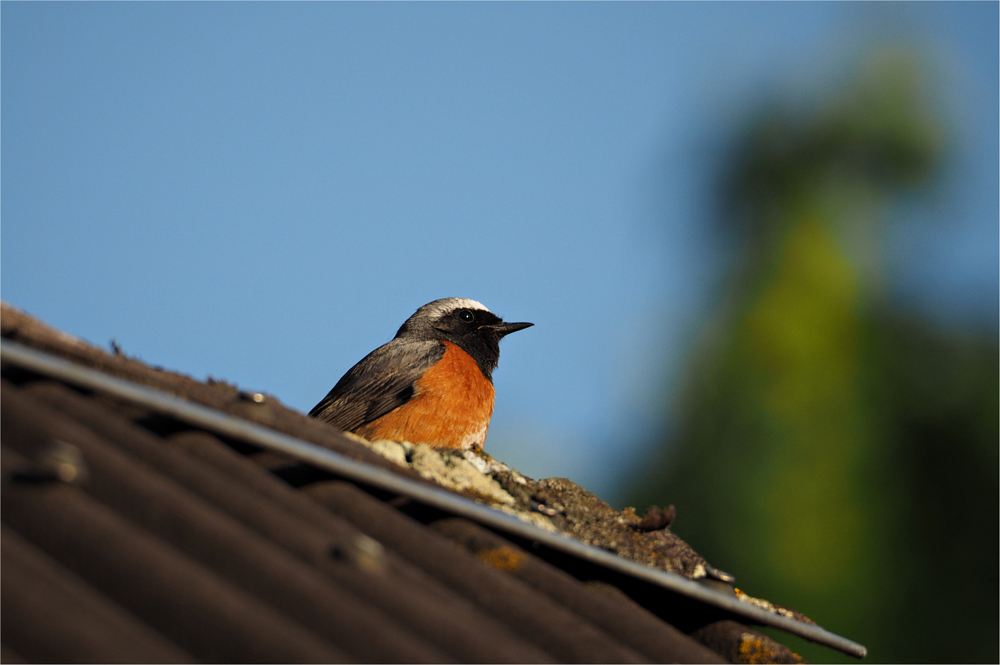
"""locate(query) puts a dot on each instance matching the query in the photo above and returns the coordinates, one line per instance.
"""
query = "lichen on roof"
(562, 506)
(554, 504)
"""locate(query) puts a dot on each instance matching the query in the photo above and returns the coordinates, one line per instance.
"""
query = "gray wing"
(381, 382)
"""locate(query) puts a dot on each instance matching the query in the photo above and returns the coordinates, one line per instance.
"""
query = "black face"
(462, 322)
(475, 331)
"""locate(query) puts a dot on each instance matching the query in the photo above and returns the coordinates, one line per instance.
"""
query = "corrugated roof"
(133, 531)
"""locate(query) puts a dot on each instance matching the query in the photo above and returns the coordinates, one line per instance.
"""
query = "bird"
(432, 383)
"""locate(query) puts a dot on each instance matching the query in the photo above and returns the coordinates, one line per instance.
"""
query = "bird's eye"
(465, 315)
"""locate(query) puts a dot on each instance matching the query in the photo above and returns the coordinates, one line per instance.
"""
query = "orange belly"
(451, 406)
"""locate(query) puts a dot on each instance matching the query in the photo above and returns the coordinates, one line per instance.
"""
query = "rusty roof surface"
(133, 533)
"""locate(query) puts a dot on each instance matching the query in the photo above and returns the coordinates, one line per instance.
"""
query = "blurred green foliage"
(839, 456)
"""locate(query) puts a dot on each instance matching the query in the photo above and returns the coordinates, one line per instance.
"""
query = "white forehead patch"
(446, 305)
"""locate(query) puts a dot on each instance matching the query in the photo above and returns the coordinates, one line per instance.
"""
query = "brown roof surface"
(130, 534)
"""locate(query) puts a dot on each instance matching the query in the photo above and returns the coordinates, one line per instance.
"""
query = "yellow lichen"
(754, 649)
(502, 558)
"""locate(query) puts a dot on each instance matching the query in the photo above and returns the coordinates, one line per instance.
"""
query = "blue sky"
(263, 192)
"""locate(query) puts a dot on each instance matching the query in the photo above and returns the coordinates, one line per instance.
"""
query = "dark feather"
(381, 382)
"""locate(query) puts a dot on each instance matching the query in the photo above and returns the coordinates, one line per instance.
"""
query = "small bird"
(433, 383)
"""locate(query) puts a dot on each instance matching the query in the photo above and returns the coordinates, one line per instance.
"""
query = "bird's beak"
(504, 329)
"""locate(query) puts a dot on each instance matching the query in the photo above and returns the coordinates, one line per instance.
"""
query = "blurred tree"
(835, 455)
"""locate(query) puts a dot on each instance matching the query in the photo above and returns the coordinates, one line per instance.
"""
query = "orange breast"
(451, 406)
